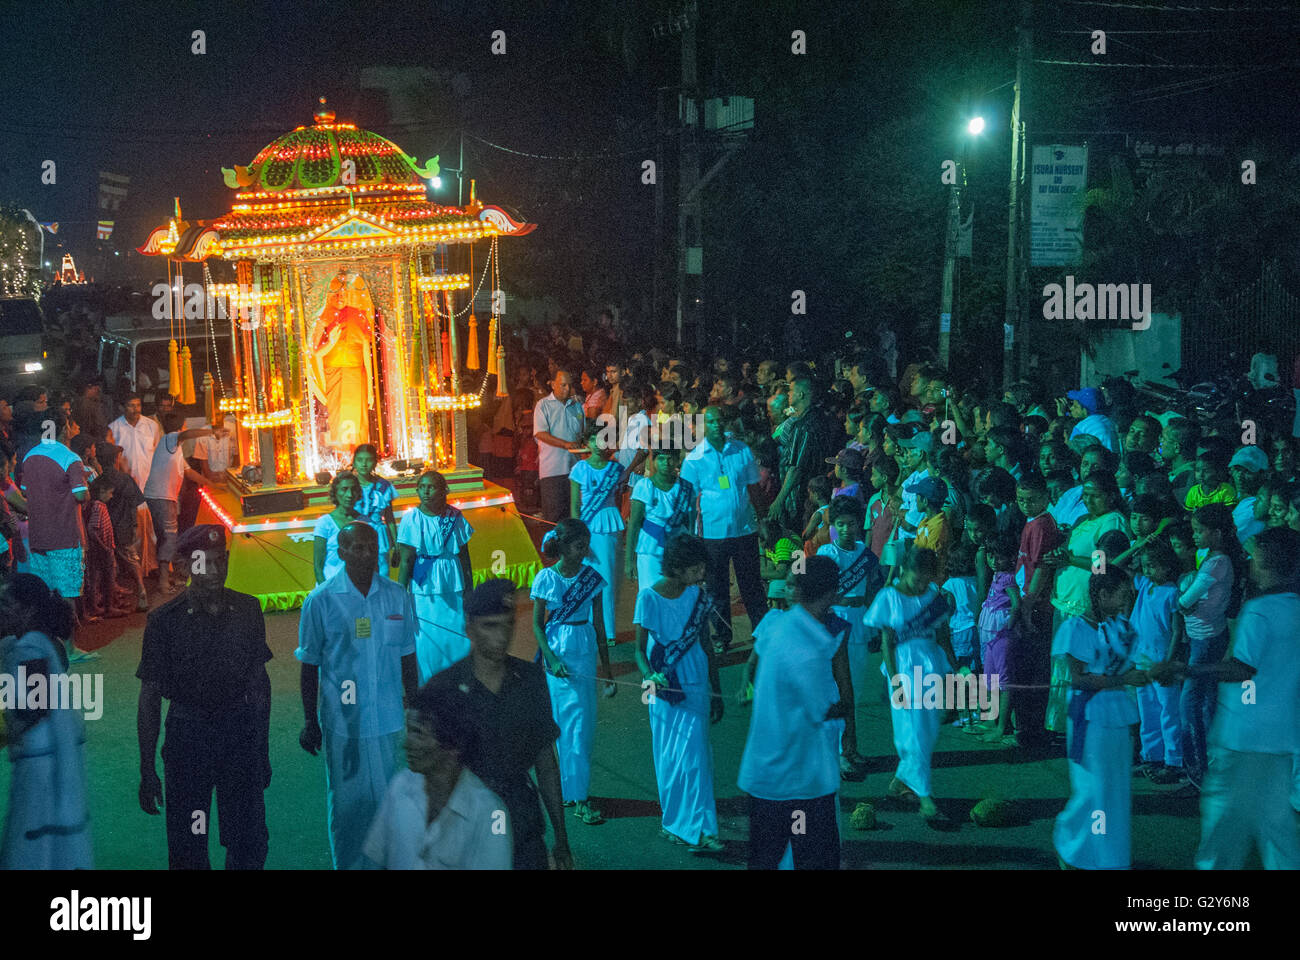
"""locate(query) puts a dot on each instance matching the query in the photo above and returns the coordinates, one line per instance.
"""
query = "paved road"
(623, 784)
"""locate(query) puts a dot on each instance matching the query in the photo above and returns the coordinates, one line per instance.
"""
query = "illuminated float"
(349, 306)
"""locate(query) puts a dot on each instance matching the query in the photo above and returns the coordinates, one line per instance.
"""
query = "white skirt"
(573, 705)
(1093, 832)
(440, 640)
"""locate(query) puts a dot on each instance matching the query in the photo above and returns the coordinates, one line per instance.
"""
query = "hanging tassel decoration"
(187, 376)
(471, 354)
(501, 370)
(174, 386)
(492, 347)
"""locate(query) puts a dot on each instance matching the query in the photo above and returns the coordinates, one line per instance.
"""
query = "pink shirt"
(52, 477)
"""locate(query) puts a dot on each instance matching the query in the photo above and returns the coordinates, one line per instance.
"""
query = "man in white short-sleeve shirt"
(724, 475)
(1254, 739)
(791, 759)
(356, 642)
(137, 435)
(558, 422)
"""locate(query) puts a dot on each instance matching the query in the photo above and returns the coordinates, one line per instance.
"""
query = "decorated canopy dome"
(326, 188)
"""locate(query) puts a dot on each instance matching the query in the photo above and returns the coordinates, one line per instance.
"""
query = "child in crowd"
(932, 532)
(912, 616)
(962, 622)
(345, 491)
(569, 626)
(674, 653)
(1212, 484)
(101, 563)
(779, 547)
(817, 531)
(880, 518)
(1206, 603)
(594, 485)
(1279, 504)
(375, 504)
(859, 580)
(1155, 614)
(848, 474)
(998, 629)
(433, 543)
(981, 527)
(1098, 648)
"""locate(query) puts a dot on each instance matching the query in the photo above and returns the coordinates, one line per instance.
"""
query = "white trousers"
(1245, 803)
(357, 771)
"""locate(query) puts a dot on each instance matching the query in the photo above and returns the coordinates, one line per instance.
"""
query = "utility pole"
(656, 310)
(688, 207)
(1012, 318)
(950, 245)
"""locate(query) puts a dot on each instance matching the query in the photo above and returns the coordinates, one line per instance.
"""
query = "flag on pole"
(52, 227)
(112, 190)
(105, 230)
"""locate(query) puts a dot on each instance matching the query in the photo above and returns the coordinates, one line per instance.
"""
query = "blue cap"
(1089, 398)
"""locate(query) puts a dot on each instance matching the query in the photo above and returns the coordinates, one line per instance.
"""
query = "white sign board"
(1059, 177)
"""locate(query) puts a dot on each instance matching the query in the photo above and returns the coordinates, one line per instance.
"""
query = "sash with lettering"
(856, 572)
(679, 519)
(665, 656)
(606, 483)
(445, 523)
(585, 586)
(927, 619)
(1117, 661)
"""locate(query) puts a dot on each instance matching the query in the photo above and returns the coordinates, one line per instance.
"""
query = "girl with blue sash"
(674, 652)
(433, 541)
(912, 616)
(594, 484)
(345, 491)
(662, 505)
(1099, 651)
(376, 504)
(570, 629)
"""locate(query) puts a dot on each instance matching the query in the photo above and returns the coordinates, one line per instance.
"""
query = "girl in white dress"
(912, 615)
(1093, 831)
(345, 491)
(675, 653)
(662, 505)
(594, 484)
(375, 504)
(570, 629)
(434, 542)
(48, 821)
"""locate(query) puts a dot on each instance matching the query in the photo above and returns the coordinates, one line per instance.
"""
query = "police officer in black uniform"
(206, 652)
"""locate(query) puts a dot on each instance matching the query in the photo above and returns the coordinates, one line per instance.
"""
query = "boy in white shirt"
(1245, 798)
(437, 815)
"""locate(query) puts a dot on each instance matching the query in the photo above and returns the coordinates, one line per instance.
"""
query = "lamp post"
(973, 129)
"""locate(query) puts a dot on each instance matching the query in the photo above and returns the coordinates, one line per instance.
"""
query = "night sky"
(846, 151)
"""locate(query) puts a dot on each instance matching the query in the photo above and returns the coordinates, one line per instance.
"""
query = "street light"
(976, 126)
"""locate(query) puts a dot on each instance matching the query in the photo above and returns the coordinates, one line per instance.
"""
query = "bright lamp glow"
(976, 126)
(436, 183)
(33, 366)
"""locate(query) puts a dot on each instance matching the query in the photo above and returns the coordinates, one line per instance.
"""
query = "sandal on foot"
(897, 788)
(852, 769)
(708, 844)
(588, 814)
(673, 838)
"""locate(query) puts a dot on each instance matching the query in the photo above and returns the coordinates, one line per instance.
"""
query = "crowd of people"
(1101, 566)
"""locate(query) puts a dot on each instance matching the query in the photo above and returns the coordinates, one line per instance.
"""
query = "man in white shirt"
(1246, 468)
(558, 423)
(1255, 738)
(137, 436)
(790, 767)
(722, 471)
(915, 450)
(162, 491)
(356, 642)
(1069, 509)
(438, 815)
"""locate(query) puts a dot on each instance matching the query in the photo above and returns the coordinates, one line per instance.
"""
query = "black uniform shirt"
(513, 727)
(205, 664)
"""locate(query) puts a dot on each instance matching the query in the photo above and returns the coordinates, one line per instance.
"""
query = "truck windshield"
(19, 317)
